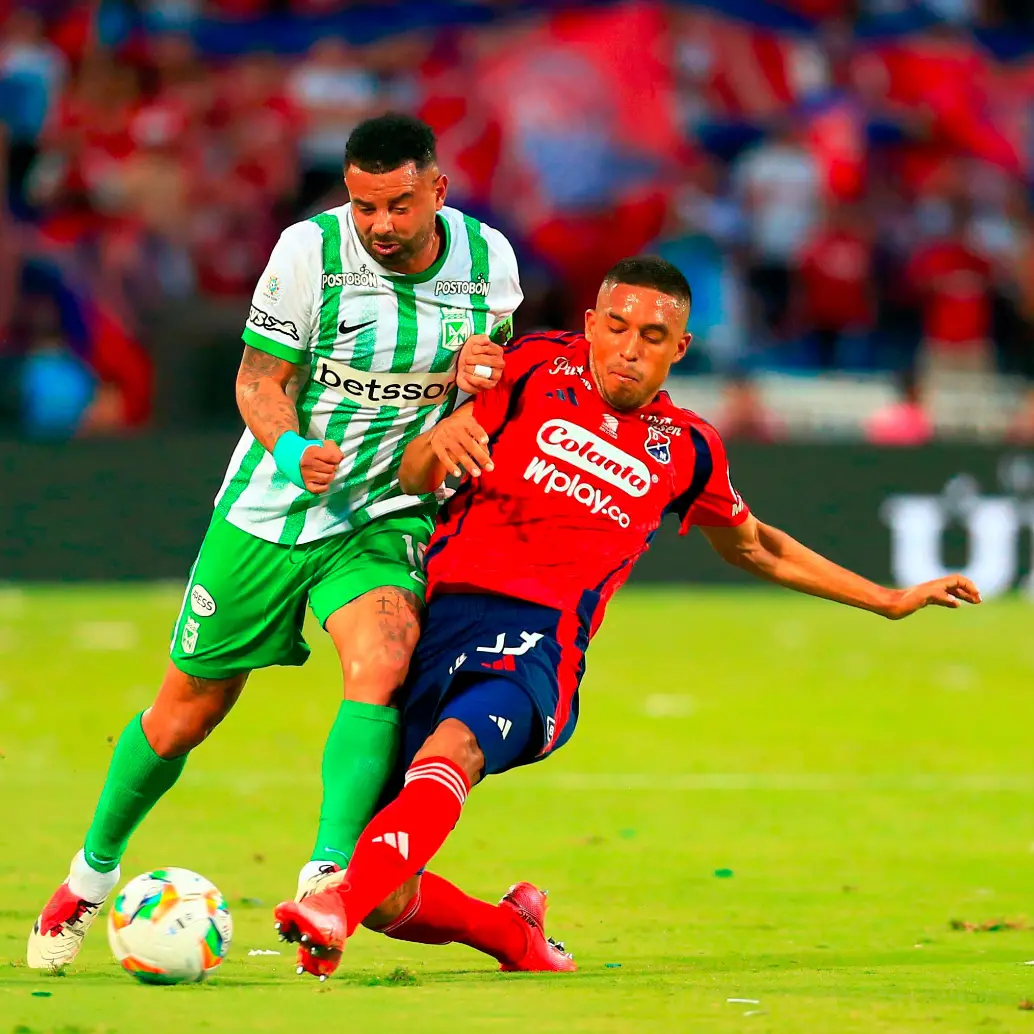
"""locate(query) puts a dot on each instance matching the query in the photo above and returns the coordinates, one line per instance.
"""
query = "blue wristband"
(287, 453)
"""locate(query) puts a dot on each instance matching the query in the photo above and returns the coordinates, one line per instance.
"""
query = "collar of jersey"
(432, 270)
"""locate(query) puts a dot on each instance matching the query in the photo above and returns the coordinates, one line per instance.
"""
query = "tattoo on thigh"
(398, 619)
(204, 687)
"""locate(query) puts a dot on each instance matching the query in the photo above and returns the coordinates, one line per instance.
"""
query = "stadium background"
(847, 185)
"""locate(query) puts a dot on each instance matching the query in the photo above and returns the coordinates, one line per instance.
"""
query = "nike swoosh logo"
(344, 328)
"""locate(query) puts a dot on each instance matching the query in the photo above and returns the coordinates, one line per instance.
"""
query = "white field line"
(796, 781)
(32, 770)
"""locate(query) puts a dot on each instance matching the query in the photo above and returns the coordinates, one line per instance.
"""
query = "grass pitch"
(772, 813)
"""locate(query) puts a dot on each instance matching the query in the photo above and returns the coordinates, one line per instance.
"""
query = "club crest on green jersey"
(457, 326)
(188, 641)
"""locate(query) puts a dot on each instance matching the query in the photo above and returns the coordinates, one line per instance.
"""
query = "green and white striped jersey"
(377, 354)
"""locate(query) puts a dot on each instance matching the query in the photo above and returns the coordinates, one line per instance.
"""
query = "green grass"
(865, 783)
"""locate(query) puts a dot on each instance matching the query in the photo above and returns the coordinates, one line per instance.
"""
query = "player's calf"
(394, 907)
(436, 911)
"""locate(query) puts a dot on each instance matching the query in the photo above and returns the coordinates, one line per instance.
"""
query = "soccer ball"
(170, 926)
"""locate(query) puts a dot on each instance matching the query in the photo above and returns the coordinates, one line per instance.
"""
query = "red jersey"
(954, 284)
(579, 488)
(836, 271)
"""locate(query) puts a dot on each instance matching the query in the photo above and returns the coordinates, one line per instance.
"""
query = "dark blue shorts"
(509, 670)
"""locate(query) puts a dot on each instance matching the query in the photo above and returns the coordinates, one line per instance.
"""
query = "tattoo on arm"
(262, 396)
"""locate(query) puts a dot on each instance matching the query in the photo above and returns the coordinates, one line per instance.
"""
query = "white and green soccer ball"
(169, 926)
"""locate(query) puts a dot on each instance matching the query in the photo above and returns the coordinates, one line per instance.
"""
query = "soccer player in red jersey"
(571, 462)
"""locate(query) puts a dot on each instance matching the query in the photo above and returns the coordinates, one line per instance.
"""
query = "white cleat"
(317, 876)
(57, 935)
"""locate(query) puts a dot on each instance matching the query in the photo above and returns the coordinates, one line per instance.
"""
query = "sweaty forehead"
(372, 186)
(639, 305)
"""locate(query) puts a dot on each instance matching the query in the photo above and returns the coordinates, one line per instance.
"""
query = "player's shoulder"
(689, 424)
(500, 251)
(306, 235)
(552, 351)
(550, 343)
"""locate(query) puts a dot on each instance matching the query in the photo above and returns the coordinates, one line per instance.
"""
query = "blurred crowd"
(846, 185)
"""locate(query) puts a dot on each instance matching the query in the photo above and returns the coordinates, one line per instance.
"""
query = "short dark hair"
(650, 271)
(388, 142)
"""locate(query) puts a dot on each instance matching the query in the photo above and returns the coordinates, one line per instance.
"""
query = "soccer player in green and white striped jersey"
(367, 323)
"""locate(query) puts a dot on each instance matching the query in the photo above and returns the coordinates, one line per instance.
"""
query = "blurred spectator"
(702, 230)
(778, 184)
(31, 68)
(8, 250)
(1017, 347)
(904, 422)
(159, 148)
(334, 91)
(56, 387)
(744, 416)
(1021, 427)
(952, 283)
(836, 288)
(32, 71)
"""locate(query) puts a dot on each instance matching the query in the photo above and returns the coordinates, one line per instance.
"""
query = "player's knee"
(377, 679)
(171, 737)
(393, 906)
(453, 739)
(178, 721)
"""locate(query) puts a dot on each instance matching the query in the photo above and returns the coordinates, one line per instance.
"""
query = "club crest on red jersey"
(658, 445)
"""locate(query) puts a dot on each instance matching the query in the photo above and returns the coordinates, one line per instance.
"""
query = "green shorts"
(245, 601)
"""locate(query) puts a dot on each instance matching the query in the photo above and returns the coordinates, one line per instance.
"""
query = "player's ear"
(683, 346)
(590, 322)
(441, 188)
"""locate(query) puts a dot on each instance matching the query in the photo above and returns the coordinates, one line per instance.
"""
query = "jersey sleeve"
(282, 318)
(492, 408)
(505, 294)
(711, 500)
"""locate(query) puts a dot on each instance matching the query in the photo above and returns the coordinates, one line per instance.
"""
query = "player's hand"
(319, 462)
(952, 592)
(461, 443)
(479, 350)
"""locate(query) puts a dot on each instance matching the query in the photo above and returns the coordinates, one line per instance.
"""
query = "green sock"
(137, 777)
(357, 760)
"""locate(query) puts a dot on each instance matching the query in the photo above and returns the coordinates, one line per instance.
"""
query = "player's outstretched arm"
(777, 557)
(453, 446)
(271, 417)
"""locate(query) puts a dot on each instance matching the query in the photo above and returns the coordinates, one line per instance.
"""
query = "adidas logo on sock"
(399, 841)
(505, 725)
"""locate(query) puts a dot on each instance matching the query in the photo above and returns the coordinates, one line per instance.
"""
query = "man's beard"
(405, 251)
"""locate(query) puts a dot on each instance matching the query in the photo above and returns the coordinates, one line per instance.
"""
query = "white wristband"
(480, 370)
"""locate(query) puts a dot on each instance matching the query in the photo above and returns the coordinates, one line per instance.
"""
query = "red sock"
(441, 913)
(402, 838)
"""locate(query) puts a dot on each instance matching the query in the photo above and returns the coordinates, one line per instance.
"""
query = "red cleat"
(318, 926)
(544, 955)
